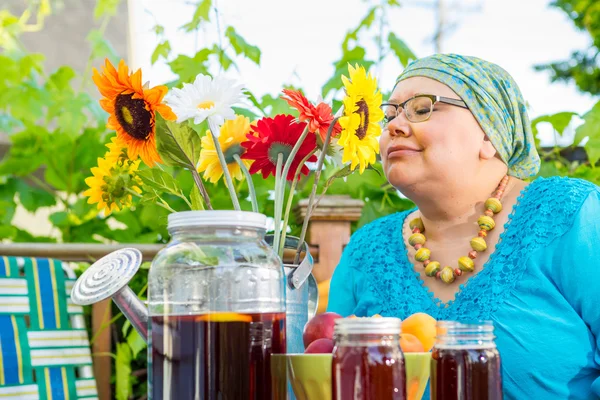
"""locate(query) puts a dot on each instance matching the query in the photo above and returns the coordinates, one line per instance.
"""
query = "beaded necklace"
(486, 223)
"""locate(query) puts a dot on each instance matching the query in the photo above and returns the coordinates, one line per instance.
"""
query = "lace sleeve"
(577, 271)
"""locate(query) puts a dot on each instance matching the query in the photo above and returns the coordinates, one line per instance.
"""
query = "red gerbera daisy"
(272, 136)
(319, 118)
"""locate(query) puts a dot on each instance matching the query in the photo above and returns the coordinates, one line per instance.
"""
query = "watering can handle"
(297, 278)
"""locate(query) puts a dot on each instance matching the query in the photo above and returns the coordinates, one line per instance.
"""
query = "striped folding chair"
(44, 348)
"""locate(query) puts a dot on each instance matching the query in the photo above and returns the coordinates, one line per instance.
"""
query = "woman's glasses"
(417, 108)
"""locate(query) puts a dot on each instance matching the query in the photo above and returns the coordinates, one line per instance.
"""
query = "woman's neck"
(453, 215)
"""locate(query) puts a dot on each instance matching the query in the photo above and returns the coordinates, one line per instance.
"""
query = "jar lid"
(217, 218)
(371, 325)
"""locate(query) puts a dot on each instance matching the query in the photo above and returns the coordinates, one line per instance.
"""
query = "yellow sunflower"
(109, 183)
(233, 133)
(132, 109)
(360, 122)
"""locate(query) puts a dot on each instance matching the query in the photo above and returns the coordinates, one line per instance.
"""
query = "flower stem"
(249, 180)
(278, 201)
(162, 204)
(290, 200)
(311, 198)
(201, 187)
(228, 181)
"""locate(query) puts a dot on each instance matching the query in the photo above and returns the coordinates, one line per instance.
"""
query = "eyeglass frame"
(434, 99)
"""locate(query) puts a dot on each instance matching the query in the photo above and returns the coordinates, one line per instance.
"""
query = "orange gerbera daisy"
(132, 109)
(319, 118)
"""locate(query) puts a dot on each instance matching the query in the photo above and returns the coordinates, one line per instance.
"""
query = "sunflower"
(360, 122)
(131, 108)
(206, 97)
(110, 182)
(319, 117)
(272, 136)
(233, 133)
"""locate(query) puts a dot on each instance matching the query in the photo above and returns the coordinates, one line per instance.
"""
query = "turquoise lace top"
(540, 287)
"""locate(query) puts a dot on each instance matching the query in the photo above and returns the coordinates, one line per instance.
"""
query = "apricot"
(410, 343)
(423, 326)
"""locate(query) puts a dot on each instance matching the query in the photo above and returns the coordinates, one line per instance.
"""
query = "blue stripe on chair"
(57, 384)
(47, 295)
(10, 365)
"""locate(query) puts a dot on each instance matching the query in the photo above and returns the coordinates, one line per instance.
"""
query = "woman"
(457, 133)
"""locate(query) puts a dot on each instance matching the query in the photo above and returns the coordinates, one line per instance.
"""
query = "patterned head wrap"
(493, 98)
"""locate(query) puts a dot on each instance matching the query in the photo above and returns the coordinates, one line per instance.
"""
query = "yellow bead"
(447, 275)
(493, 204)
(432, 268)
(416, 223)
(466, 264)
(422, 254)
(478, 244)
(486, 223)
(416, 238)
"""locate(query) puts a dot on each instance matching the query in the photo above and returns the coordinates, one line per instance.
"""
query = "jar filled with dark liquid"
(216, 300)
(465, 363)
(368, 363)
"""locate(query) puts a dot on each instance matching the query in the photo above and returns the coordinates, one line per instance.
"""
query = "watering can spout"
(108, 278)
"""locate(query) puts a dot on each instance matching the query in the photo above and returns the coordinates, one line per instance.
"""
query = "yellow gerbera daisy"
(131, 108)
(360, 122)
(233, 133)
(110, 182)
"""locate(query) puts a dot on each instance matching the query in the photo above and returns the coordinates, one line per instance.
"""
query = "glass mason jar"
(465, 363)
(368, 363)
(216, 301)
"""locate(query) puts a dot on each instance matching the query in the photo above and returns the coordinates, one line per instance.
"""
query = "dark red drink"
(221, 356)
(468, 374)
(368, 366)
(465, 364)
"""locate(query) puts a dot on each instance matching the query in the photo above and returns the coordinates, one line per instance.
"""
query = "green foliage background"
(57, 131)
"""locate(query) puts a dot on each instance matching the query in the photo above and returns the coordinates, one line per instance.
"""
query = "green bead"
(447, 275)
(422, 254)
(486, 223)
(416, 223)
(466, 264)
(493, 204)
(416, 238)
(432, 268)
(478, 244)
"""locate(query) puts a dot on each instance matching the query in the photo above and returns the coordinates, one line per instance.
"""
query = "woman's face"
(445, 149)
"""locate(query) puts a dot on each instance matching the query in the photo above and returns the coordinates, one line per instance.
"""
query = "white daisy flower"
(206, 98)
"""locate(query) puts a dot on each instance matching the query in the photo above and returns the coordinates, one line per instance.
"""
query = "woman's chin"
(401, 178)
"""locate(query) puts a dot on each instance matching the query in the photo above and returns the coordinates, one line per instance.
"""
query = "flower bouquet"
(164, 129)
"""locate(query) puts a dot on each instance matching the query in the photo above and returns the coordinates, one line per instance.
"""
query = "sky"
(301, 40)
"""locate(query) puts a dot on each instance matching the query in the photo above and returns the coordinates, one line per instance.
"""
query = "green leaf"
(123, 372)
(590, 129)
(26, 152)
(187, 68)
(106, 7)
(162, 50)
(559, 121)
(24, 236)
(159, 180)
(159, 29)
(33, 198)
(342, 173)
(135, 342)
(402, 51)
(241, 46)
(101, 48)
(355, 56)
(177, 144)
(7, 231)
(61, 79)
(196, 197)
(201, 14)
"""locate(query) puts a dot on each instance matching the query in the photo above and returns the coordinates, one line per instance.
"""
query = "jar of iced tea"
(368, 363)
(216, 308)
(465, 363)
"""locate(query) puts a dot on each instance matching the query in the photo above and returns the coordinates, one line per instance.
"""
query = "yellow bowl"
(310, 374)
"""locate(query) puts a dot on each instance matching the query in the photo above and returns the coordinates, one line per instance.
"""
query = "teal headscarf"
(493, 98)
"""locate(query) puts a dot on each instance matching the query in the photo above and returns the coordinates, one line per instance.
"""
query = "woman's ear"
(487, 150)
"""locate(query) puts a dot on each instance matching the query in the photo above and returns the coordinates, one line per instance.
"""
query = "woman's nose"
(399, 126)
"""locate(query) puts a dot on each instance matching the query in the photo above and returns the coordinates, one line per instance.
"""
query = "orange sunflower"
(132, 109)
